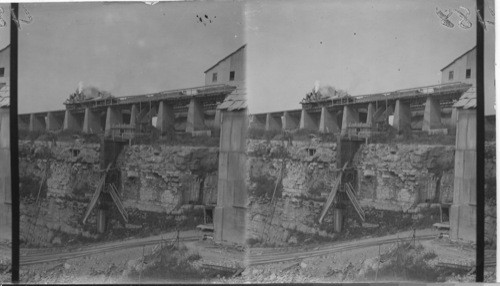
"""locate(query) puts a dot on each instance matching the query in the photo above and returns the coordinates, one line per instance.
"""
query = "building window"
(231, 75)
(467, 73)
(2, 72)
(450, 75)
(75, 152)
(214, 77)
(311, 151)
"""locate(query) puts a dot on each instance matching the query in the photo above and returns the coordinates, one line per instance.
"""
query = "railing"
(398, 94)
(184, 93)
(416, 91)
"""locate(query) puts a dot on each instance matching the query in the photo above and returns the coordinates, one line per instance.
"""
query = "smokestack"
(316, 86)
(80, 87)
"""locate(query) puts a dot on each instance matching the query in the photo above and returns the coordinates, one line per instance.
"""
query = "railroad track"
(270, 257)
(37, 258)
(254, 258)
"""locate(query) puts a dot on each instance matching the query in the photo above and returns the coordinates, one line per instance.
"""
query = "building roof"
(4, 96)
(6, 47)
(236, 100)
(452, 62)
(467, 100)
(226, 57)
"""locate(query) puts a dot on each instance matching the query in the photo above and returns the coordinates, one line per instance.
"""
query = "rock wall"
(403, 182)
(156, 184)
(490, 207)
(399, 176)
(162, 178)
(68, 172)
(307, 174)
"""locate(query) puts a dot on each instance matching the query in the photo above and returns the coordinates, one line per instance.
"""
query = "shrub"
(410, 261)
(317, 188)
(193, 257)
(413, 137)
(264, 187)
(81, 188)
(29, 187)
(252, 241)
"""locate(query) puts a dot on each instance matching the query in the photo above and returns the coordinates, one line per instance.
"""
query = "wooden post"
(378, 264)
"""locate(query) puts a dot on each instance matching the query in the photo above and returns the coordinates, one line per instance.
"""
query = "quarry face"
(157, 185)
(403, 191)
(403, 182)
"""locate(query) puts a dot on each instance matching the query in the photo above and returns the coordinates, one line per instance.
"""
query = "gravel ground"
(346, 266)
(110, 267)
(351, 266)
(5, 261)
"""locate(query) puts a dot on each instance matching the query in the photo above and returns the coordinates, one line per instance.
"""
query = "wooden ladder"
(97, 193)
(332, 194)
(350, 193)
(114, 195)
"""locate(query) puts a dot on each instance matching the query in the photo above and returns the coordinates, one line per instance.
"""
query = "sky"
(5, 29)
(361, 46)
(123, 48)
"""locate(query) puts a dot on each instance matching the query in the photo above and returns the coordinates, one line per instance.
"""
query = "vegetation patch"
(81, 188)
(271, 152)
(413, 137)
(264, 187)
(411, 262)
(388, 222)
(152, 223)
(152, 136)
(172, 261)
(286, 135)
(29, 187)
(317, 188)
(63, 136)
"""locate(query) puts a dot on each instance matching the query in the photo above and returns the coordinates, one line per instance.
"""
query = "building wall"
(489, 72)
(236, 63)
(459, 67)
(463, 209)
(5, 182)
(467, 61)
(232, 199)
(5, 63)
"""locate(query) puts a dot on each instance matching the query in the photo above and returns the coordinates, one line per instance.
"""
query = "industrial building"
(5, 181)
(230, 70)
(192, 110)
(461, 69)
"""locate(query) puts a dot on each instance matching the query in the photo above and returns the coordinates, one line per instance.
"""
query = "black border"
(480, 144)
(14, 158)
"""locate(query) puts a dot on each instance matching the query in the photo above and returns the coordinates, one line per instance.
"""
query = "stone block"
(370, 114)
(113, 117)
(71, 122)
(440, 131)
(166, 117)
(289, 122)
(272, 123)
(463, 222)
(134, 113)
(91, 122)
(36, 123)
(195, 117)
(349, 115)
(432, 115)
(402, 116)
(328, 122)
(53, 123)
(307, 121)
